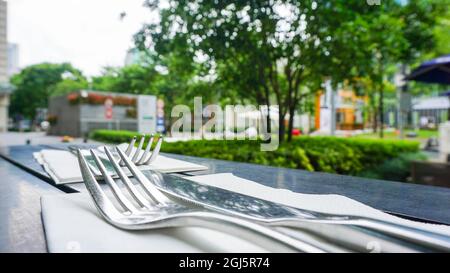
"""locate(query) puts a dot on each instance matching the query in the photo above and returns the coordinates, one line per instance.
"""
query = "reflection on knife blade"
(224, 200)
(343, 228)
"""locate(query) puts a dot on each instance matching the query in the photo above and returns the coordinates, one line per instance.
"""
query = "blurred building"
(4, 104)
(134, 56)
(349, 111)
(429, 112)
(5, 90)
(13, 59)
(3, 42)
(78, 113)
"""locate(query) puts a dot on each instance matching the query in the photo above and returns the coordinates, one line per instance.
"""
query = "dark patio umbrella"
(433, 71)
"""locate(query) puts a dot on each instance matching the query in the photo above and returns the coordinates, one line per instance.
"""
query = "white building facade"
(4, 86)
(13, 59)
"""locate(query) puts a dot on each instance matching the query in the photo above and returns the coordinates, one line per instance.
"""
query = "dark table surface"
(21, 227)
(23, 181)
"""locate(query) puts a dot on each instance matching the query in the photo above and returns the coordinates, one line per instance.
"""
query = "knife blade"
(349, 231)
(223, 200)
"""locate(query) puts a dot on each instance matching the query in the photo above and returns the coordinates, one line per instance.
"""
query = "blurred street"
(17, 138)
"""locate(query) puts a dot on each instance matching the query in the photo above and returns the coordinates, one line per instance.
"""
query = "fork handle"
(264, 236)
(420, 238)
(427, 239)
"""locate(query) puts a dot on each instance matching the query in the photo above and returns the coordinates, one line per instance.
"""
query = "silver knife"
(362, 234)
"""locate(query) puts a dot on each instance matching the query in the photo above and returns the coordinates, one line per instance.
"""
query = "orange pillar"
(317, 110)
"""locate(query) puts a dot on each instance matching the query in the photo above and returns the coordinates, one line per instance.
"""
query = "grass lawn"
(421, 135)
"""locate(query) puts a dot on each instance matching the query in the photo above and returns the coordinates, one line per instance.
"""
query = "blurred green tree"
(34, 84)
(258, 47)
(68, 85)
(134, 79)
(271, 50)
(363, 40)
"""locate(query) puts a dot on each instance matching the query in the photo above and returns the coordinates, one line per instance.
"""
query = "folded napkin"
(72, 223)
(62, 166)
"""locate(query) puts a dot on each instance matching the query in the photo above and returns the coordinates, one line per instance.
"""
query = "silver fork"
(139, 157)
(148, 208)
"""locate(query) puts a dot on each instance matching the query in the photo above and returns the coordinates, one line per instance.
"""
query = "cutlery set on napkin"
(142, 208)
(62, 165)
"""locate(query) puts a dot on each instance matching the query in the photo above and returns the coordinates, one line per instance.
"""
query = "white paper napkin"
(72, 223)
(326, 203)
(63, 166)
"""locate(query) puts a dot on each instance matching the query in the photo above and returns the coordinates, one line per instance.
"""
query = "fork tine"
(155, 151)
(122, 200)
(149, 188)
(101, 201)
(147, 150)
(129, 149)
(130, 146)
(139, 148)
(131, 188)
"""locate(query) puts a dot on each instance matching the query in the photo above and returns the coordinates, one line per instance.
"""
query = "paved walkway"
(16, 138)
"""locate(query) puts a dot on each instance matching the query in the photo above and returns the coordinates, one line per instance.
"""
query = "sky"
(87, 33)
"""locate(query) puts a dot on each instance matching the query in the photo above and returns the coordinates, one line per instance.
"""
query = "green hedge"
(396, 169)
(350, 156)
(111, 136)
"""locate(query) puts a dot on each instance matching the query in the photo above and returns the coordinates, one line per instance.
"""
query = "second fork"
(145, 157)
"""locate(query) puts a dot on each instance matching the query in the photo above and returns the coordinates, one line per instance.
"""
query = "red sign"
(109, 108)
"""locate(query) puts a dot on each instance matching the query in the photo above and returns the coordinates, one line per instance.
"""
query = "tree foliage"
(35, 83)
(270, 50)
(249, 45)
(362, 41)
(264, 52)
(134, 79)
(68, 85)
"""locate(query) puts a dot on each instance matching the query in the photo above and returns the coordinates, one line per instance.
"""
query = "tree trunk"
(268, 137)
(375, 120)
(267, 126)
(276, 88)
(381, 111)
(291, 122)
(282, 127)
(269, 121)
(373, 112)
(294, 86)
